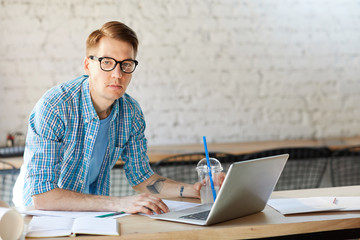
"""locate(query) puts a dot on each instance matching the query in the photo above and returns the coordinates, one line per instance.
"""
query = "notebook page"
(95, 226)
(45, 226)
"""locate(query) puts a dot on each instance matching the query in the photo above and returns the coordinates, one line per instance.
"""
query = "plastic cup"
(202, 169)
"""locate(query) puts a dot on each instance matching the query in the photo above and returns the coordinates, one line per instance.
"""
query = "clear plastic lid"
(214, 163)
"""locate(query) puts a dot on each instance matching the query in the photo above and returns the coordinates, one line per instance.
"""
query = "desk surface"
(267, 223)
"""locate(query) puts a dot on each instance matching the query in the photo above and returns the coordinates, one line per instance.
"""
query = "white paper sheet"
(173, 206)
(348, 203)
(178, 205)
(70, 214)
(315, 204)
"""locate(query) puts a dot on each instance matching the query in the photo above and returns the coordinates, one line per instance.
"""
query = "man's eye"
(128, 64)
(107, 62)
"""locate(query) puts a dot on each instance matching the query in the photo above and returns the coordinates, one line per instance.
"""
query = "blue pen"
(209, 166)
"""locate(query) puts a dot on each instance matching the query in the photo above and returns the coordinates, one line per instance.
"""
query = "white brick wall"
(228, 69)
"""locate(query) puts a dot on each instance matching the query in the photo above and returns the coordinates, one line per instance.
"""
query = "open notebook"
(50, 226)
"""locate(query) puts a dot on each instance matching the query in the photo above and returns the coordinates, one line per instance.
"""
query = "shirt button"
(81, 181)
(90, 137)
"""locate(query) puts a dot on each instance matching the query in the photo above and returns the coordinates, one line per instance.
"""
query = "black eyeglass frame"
(116, 63)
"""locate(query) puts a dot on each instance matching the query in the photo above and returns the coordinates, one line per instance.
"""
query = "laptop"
(246, 189)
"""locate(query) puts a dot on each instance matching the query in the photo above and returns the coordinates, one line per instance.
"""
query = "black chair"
(8, 176)
(119, 185)
(305, 167)
(182, 167)
(345, 167)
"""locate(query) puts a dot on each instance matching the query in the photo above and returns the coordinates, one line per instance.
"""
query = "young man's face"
(106, 87)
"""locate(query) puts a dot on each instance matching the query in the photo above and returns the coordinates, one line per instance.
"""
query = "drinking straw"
(208, 164)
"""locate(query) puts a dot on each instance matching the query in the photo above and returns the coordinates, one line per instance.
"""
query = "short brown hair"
(113, 29)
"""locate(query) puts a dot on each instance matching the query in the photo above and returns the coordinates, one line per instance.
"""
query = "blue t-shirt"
(98, 154)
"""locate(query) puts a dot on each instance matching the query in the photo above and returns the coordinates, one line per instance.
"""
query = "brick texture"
(231, 70)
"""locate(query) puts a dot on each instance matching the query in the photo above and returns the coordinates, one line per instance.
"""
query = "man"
(79, 129)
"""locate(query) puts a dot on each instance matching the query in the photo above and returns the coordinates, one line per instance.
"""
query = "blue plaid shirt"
(61, 135)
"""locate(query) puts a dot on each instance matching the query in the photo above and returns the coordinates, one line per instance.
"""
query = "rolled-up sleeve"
(42, 151)
(137, 166)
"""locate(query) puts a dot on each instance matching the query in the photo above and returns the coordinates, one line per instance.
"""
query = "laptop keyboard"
(197, 216)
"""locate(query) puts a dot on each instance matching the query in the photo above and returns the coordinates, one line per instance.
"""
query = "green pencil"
(110, 214)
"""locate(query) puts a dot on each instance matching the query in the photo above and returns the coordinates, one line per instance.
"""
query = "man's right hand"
(142, 203)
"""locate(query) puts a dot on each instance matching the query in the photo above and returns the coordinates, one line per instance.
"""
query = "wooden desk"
(268, 223)
(15, 161)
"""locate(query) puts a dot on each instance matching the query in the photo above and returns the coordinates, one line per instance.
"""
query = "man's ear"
(86, 65)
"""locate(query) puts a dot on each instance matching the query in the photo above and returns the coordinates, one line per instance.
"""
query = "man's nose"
(116, 72)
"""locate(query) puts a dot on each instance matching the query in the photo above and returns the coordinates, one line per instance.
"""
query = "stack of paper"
(315, 204)
(173, 206)
(70, 223)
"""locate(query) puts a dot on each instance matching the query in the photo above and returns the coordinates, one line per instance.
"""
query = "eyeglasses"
(108, 64)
